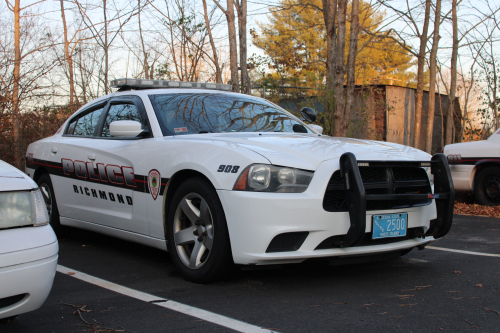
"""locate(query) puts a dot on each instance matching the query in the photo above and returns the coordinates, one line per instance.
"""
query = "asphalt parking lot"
(425, 291)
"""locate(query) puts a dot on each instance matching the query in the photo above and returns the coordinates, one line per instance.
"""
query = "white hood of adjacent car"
(12, 179)
(488, 148)
(307, 151)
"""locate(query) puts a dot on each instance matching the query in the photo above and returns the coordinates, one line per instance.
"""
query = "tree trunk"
(420, 77)
(106, 49)
(351, 64)
(329, 15)
(16, 83)
(84, 84)
(233, 51)
(432, 80)
(453, 84)
(218, 75)
(495, 103)
(242, 26)
(339, 113)
(69, 58)
(145, 65)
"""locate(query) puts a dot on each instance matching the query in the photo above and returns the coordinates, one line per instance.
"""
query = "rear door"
(118, 200)
(67, 163)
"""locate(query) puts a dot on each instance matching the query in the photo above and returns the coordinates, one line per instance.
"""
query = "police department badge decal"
(154, 183)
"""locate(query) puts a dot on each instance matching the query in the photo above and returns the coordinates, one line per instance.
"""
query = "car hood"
(12, 179)
(307, 151)
(474, 149)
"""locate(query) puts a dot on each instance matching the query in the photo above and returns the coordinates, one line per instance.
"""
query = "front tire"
(487, 186)
(45, 185)
(198, 239)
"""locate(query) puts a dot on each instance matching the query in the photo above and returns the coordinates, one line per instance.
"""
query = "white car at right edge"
(475, 166)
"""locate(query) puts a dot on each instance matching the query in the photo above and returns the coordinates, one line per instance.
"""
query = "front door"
(69, 155)
(118, 200)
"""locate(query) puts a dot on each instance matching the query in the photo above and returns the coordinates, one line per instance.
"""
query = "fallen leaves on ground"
(466, 204)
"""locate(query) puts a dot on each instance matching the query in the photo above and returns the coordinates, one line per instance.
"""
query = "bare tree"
(411, 17)
(218, 74)
(453, 85)
(233, 51)
(339, 113)
(20, 79)
(330, 18)
(105, 32)
(351, 63)
(241, 9)
(69, 57)
(432, 81)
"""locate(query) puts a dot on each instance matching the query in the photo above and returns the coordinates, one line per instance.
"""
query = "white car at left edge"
(28, 245)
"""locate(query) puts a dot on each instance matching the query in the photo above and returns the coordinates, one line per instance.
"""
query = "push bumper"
(444, 195)
(254, 219)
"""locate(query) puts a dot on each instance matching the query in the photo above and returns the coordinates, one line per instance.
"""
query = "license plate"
(389, 225)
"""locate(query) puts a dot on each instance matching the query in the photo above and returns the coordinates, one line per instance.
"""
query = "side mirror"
(125, 128)
(309, 114)
(318, 129)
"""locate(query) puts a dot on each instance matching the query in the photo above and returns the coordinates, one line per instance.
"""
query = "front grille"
(381, 180)
(367, 240)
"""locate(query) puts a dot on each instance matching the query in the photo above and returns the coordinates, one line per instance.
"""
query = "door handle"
(91, 157)
(54, 150)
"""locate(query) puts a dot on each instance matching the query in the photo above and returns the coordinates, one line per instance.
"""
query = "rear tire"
(47, 190)
(198, 239)
(487, 186)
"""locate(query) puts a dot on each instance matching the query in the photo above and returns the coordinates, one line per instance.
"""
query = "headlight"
(22, 208)
(430, 175)
(270, 178)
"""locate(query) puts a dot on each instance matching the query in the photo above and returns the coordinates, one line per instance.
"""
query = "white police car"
(218, 178)
(475, 166)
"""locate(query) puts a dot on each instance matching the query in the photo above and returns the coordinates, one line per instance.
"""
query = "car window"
(86, 124)
(120, 112)
(216, 113)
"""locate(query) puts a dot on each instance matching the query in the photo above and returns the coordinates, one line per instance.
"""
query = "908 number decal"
(228, 168)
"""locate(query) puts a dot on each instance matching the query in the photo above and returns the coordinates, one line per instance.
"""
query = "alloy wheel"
(193, 231)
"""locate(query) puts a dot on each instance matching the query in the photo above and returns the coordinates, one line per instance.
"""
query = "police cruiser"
(220, 178)
(475, 166)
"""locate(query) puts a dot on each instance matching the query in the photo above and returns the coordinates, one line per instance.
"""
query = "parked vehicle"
(475, 166)
(219, 178)
(28, 245)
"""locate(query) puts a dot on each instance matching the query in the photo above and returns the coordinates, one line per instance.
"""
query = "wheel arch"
(39, 172)
(173, 184)
(480, 165)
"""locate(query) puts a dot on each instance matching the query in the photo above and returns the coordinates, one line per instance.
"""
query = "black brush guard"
(355, 195)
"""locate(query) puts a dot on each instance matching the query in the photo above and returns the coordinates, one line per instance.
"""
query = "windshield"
(194, 113)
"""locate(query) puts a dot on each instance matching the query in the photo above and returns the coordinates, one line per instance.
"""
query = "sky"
(469, 10)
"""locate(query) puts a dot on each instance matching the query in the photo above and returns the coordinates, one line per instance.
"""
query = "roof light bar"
(159, 84)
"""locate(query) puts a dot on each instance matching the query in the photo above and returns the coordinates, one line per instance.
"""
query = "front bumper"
(27, 272)
(255, 218)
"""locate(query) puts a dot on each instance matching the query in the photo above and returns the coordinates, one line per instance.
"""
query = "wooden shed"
(387, 113)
